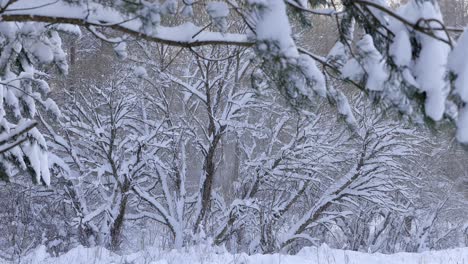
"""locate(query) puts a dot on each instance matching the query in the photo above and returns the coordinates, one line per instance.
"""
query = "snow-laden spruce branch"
(16, 137)
(393, 61)
(94, 14)
(404, 20)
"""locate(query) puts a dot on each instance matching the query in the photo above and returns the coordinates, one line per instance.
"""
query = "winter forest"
(233, 131)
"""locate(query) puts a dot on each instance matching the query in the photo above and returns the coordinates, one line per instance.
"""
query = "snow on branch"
(184, 35)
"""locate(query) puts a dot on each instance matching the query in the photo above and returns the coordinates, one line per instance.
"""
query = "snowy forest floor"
(206, 255)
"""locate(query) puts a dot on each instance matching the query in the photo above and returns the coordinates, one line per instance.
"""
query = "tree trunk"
(117, 227)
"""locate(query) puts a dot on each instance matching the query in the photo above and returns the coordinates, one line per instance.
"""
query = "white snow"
(218, 12)
(338, 54)
(207, 255)
(458, 64)
(217, 9)
(169, 7)
(51, 106)
(42, 52)
(311, 72)
(430, 66)
(373, 64)
(187, 10)
(102, 15)
(352, 70)
(140, 72)
(400, 49)
(121, 50)
(274, 26)
(462, 125)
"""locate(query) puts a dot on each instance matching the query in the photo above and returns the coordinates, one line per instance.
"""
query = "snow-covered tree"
(405, 55)
(281, 164)
(221, 125)
(27, 52)
(103, 145)
(201, 109)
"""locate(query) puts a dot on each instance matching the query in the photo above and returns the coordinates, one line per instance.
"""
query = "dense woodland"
(344, 131)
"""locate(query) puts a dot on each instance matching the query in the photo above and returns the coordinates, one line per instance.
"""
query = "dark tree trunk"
(117, 227)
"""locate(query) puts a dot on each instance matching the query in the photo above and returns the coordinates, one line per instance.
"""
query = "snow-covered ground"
(204, 255)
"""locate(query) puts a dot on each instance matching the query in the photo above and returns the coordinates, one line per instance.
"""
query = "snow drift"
(207, 255)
